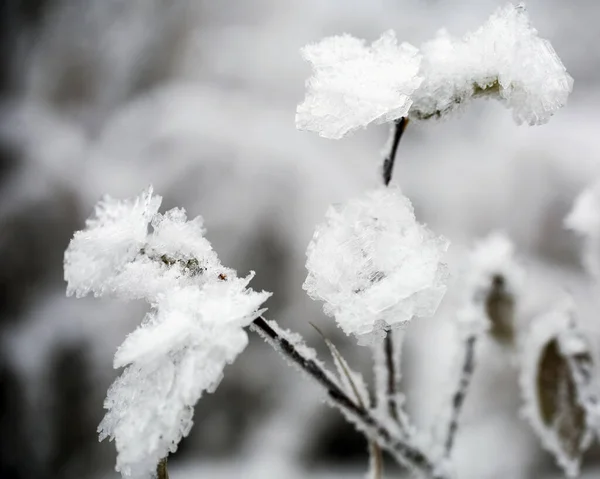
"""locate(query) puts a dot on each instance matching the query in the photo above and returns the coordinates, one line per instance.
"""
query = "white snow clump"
(354, 85)
(195, 327)
(503, 59)
(374, 266)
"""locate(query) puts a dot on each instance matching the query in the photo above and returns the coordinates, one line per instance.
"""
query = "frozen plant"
(556, 381)
(371, 262)
(374, 266)
(493, 283)
(194, 329)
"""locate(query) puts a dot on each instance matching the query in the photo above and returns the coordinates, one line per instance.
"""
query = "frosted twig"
(161, 469)
(461, 392)
(391, 376)
(404, 452)
(388, 162)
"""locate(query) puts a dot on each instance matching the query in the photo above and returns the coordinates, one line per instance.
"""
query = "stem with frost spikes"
(161, 470)
(461, 392)
(400, 449)
(388, 162)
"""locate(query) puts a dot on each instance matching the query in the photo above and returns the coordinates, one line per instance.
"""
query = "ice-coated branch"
(402, 450)
(161, 470)
(395, 136)
(460, 394)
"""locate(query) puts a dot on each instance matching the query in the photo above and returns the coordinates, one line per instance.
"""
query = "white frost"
(354, 85)
(374, 266)
(195, 328)
(503, 59)
(111, 239)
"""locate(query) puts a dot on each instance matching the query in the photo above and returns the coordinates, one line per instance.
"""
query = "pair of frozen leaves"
(556, 361)
(354, 85)
(371, 263)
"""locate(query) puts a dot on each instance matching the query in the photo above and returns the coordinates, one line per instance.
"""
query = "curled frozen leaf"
(554, 392)
(504, 59)
(354, 85)
(374, 266)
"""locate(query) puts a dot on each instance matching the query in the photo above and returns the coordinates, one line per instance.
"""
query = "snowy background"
(198, 97)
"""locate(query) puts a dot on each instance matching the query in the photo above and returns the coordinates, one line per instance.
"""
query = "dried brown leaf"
(558, 399)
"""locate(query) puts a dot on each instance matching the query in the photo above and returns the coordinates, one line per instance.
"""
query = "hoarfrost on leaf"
(111, 239)
(584, 219)
(374, 265)
(354, 85)
(195, 327)
(493, 284)
(503, 59)
(559, 399)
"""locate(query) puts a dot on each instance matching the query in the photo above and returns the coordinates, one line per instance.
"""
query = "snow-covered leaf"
(559, 401)
(195, 327)
(374, 265)
(503, 59)
(354, 85)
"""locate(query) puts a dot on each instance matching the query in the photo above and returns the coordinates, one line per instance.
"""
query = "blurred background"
(198, 98)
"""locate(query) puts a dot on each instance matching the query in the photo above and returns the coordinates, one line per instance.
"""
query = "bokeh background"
(198, 98)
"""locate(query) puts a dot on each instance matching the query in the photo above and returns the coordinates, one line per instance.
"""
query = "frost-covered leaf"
(503, 59)
(558, 401)
(195, 327)
(556, 394)
(354, 85)
(494, 280)
(374, 265)
(584, 219)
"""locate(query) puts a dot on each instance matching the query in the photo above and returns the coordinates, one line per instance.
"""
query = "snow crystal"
(354, 85)
(504, 59)
(374, 266)
(584, 219)
(559, 325)
(493, 283)
(195, 328)
(111, 239)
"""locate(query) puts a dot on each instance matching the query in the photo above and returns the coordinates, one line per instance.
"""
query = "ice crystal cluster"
(493, 283)
(504, 59)
(584, 219)
(374, 266)
(194, 328)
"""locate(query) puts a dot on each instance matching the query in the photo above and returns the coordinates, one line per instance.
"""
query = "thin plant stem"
(461, 392)
(390, 159)
(161, 470)
(391, 377)
(404, 452)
